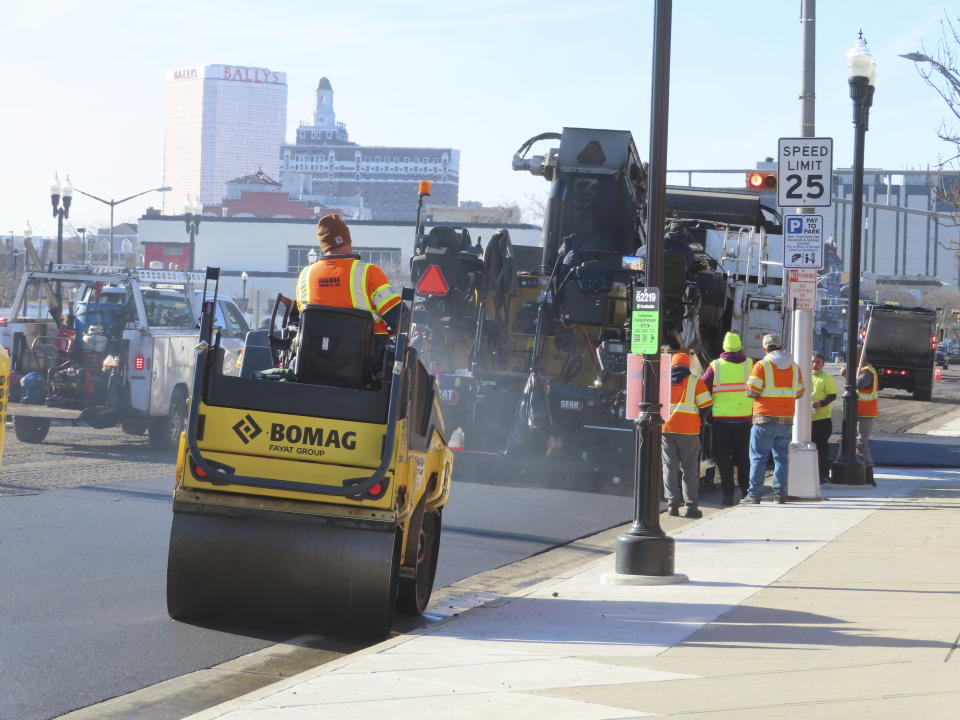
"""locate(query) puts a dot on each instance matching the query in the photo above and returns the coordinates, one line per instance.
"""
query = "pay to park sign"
(805, 171)
(645, 321)
(803, 241)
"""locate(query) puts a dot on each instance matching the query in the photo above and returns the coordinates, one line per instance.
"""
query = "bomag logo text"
(311, 440)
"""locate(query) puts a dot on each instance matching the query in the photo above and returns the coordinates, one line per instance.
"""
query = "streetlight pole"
(243, 278)
(83, 245)
(60, 197)
(848, 468)
(192, 213)
(27, 237)
(114, 203)
(645, 549)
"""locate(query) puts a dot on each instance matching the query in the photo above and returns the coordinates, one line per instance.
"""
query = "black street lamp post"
(645, 549)
(243, 278)
(848, 468)
(60, 197)
(192, 214)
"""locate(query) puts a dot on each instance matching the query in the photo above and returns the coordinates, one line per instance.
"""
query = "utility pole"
(803, 475)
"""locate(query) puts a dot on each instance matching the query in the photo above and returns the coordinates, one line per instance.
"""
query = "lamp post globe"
(66, 192)
(55, 192)
(312, 256)
(859, 59)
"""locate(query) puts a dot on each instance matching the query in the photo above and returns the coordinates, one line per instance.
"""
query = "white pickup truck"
(111, 346)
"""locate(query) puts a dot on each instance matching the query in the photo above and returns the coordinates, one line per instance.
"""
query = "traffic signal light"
(762, 180)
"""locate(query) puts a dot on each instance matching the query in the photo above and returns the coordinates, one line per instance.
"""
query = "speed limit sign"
(805, 172)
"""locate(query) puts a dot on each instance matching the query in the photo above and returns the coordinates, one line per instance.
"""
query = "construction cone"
(937, 373)
(456, 440)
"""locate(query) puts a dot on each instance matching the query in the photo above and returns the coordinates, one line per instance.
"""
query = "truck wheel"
(165, 431)
(133, 427)
(31, 429)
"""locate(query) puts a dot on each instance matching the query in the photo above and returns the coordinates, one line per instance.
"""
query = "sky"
(83, 83)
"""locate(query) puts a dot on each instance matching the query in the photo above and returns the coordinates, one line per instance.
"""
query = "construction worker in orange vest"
(775, 384)
(868, 392)
(681, 437)
(342, 279)
(726, 379)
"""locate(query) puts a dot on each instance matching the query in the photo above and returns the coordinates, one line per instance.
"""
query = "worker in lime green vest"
(726, 378)
(821, 426)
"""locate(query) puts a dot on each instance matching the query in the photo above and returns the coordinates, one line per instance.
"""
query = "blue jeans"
(765, 438)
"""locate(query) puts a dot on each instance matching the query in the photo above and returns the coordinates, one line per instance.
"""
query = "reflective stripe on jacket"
(730, 388)
(867, 399)
(778, 389)
(348, 282)
(686, 399)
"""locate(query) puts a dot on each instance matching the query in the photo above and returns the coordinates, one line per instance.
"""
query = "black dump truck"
(901, 344)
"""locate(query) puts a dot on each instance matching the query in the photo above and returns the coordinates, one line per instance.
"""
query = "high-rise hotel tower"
(220, 122)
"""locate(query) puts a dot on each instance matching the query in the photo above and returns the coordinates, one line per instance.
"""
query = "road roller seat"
(335, 346)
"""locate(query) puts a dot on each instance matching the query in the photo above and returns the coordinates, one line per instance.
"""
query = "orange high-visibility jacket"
(779, 389)
(686, 399)
(867, 399)
(348, 282)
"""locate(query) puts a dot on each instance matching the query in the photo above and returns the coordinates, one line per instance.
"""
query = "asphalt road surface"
(84, 523)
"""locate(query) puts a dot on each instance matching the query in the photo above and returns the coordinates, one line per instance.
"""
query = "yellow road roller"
(310, 488)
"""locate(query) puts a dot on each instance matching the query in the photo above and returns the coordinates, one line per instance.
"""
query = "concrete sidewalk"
(844, 608)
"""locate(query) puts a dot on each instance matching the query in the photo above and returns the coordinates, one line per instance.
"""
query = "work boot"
(674, 511)
(693, 512)
(750, 500)
(869, 474)
(779, 499)
(727, 499)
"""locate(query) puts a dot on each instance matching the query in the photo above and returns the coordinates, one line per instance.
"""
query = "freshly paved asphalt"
(82, 576)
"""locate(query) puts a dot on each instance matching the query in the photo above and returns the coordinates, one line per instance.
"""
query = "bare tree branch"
(941, 71)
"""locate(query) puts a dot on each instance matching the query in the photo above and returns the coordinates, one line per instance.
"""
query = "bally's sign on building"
(235, 73)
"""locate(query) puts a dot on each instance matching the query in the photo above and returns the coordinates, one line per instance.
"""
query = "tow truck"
(106, 346)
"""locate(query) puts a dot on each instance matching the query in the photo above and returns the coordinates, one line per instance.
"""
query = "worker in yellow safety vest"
(823, 393)
(342, 279)
(726, 379)
(868, 393)
(680, 442)
(775, 384)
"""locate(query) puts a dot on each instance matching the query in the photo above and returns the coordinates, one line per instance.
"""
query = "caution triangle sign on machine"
(432, 282)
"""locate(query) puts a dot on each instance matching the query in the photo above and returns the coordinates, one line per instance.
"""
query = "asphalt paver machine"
(309, 490)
